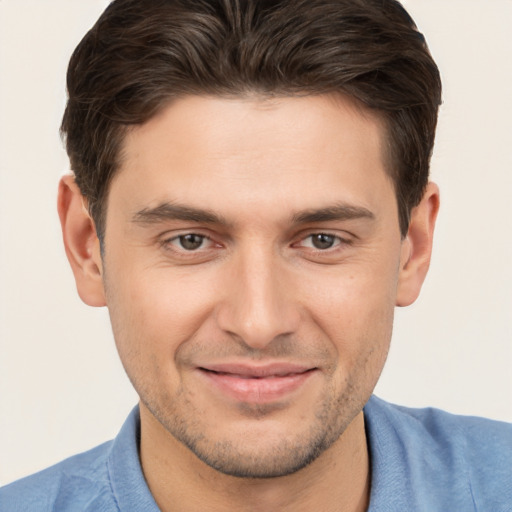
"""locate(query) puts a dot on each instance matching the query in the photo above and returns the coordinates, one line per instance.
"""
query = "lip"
(257, 384)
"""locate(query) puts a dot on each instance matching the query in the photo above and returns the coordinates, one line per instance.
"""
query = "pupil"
(322, 241)
(191, 242)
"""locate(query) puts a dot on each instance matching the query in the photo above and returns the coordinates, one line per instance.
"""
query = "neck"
(338, 480)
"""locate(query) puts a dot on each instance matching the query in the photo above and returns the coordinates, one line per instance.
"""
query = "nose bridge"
(258, 306)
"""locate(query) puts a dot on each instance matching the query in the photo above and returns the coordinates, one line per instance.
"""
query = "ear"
(417, 247)
(81, 242)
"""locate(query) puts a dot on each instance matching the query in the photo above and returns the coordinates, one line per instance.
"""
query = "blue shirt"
(421, 460)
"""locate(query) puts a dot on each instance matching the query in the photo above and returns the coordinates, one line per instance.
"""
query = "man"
(250, 199)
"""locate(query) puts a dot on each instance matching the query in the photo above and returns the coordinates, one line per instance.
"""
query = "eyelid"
(168, 240)
(170, 249)
(341, 240)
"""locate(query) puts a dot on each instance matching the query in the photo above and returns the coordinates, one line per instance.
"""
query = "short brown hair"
(142, 53)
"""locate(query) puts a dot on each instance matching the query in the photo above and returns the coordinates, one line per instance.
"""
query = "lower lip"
(257, 390)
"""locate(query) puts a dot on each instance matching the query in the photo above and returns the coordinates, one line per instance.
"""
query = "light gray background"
(62, 389)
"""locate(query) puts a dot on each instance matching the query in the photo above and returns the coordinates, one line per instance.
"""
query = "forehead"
(293, 151)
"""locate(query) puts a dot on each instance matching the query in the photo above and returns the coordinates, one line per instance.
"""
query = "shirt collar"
(127, 480)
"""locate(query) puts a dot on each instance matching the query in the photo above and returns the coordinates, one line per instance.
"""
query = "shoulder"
(475, 436)
(468, 455)
(78, 483)
(479, 447)
(436, 421)
(107, 478)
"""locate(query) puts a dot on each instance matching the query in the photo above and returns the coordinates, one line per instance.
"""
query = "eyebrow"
(171, 211)
(336, 212)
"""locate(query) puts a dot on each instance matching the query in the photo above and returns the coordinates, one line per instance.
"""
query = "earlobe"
(81, 242)
(417, 247)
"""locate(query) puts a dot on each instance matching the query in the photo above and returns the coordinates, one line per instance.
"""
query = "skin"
(256, 180)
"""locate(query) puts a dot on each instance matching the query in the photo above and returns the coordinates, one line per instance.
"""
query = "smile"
(257, 384)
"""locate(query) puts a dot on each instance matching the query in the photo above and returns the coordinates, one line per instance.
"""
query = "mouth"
(257, 384)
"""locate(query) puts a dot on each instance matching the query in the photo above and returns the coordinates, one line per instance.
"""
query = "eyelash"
(168, 242)
(338, 242)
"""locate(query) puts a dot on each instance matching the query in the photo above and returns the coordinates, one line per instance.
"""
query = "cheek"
(359, 329)
(154, 311)
(355, 309)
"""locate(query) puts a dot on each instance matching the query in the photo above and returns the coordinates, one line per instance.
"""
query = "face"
(252, 255)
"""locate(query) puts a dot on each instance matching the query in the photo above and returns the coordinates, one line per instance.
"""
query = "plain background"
(62, 389)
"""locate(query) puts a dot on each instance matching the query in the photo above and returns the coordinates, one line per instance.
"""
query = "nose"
(258, 305)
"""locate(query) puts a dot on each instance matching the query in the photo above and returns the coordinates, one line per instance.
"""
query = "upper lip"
(257, 370)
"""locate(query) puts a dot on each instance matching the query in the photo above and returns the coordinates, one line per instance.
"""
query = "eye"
(321, 241)
(189, 242)
(189, 248)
